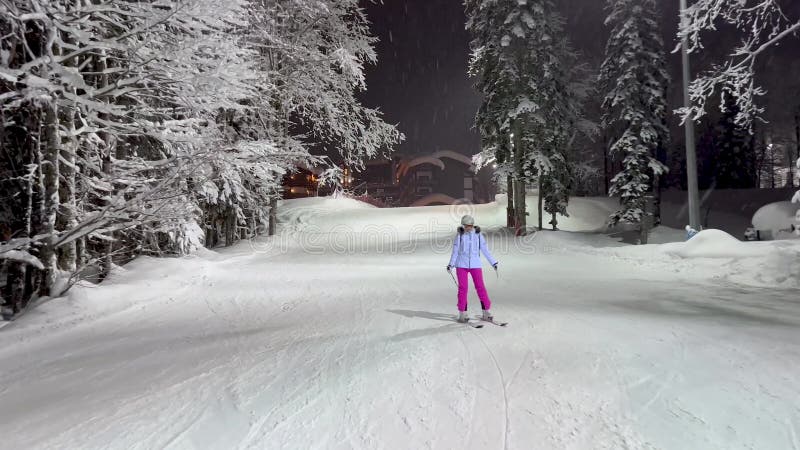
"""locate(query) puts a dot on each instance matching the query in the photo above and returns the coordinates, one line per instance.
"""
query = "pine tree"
(635, 80)
(520, 64)
(569, 86)
(498, 79)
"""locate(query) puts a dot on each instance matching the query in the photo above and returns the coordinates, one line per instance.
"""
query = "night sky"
(421, 83)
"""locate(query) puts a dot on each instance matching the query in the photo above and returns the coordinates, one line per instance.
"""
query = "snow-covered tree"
(500, 70)
(634, 79)
(145, 127)
(565, 86)
(495, 83)
(762, 24)
(520, 60)
(312, 57)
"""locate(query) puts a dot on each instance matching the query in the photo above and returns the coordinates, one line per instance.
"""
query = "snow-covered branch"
(762, 25)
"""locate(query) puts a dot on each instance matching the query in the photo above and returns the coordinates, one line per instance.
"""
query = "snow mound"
(718, 255)
(324, 203)
(586, 214)
(713, 244)
(769, 264)
(589, 213)
(780, 267)
(775, 216)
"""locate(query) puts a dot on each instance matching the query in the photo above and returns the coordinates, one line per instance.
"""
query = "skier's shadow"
(424, 314)
(452, 326)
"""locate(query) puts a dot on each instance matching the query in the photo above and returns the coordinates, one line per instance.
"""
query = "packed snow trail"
(330, 338)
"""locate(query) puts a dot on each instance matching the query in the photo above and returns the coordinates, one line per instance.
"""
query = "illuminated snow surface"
(339, 334)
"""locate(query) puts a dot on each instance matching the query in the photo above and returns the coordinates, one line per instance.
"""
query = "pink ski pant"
(463, 287)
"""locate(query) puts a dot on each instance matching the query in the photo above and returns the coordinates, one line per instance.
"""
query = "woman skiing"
(466, 258)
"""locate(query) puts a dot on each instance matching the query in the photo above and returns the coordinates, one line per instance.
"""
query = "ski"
(494, 322)
(472, 324)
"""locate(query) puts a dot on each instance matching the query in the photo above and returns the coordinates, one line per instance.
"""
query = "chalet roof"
(436, 159)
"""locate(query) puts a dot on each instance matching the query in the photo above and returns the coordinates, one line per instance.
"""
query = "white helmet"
(467, 220)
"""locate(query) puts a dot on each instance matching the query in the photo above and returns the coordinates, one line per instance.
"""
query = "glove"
(495, 266)
(449, 267)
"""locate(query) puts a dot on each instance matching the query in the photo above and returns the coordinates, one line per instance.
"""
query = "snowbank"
(586, 214)
(714, 244)
(717, 254)
(323, 203)
(778, 218)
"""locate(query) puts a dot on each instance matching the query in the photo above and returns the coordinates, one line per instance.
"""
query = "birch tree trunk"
(28, 271)
(67, 254)
(48, 151)
(50, 173)
(107, 165)
(67, 220)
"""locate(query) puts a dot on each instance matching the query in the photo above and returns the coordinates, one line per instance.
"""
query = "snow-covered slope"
(328, 337)
(319, 213)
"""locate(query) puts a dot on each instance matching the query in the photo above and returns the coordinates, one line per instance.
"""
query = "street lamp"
(691, 153)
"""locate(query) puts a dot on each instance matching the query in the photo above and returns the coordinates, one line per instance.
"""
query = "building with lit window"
(301, 183)
(444, 177)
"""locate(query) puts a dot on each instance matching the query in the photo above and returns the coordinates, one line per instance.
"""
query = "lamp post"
(691, 153)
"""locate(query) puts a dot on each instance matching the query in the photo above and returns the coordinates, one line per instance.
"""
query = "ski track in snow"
(503, 387)
(250, 348)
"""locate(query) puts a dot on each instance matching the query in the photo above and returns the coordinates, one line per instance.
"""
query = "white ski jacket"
(467, 249)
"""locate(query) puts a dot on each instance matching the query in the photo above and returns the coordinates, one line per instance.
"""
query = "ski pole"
(453, 277)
